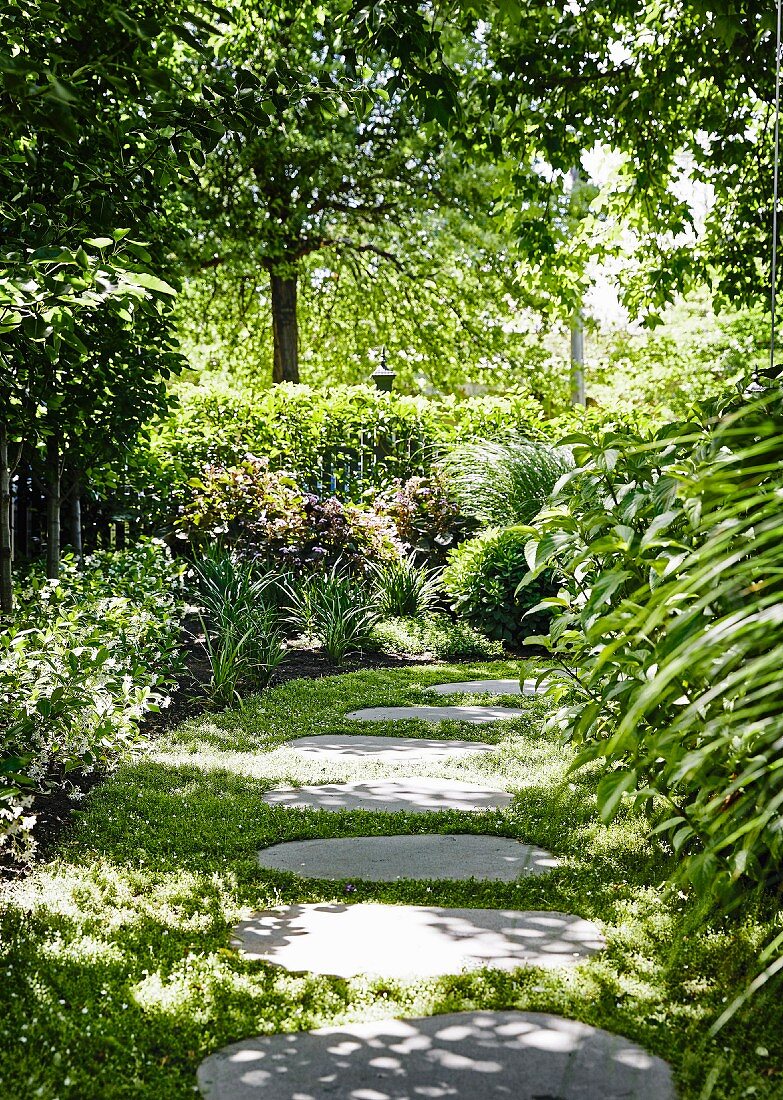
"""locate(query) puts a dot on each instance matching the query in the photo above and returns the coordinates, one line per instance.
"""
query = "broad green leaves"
(671, 625)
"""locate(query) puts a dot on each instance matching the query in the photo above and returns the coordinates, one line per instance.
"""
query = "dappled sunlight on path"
(495, 1056)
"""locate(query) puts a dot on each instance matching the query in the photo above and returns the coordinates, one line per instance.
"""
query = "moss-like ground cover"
(116, 973)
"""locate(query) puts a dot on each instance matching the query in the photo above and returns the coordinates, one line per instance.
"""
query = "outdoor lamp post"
(384, 376)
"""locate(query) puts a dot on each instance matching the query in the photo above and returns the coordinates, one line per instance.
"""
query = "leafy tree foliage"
(684, 92)
(345, 182)
(97, 127)
(447, 307)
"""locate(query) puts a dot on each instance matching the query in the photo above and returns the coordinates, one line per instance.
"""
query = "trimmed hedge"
(351, 441)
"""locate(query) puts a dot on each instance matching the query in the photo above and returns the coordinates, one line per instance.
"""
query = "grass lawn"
(118, 978)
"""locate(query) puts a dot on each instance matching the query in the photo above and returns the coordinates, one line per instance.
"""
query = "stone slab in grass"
(489, 687)
(474, 715)
(357, 746)
(410, 794)
(389, 858)
(461, 1056)
(413, 941)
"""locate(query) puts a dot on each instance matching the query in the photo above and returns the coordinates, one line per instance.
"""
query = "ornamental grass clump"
(501, 484)
(403, 588)
(241, 627)
(335, 610)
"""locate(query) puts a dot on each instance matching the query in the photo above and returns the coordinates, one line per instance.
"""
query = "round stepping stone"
(461, 1056)
(389, 858)
(386, 748)
(408, 794)
(413, 941)
(490, 687)
(474, 715)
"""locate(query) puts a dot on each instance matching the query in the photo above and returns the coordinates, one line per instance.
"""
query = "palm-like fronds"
(501, 484)
(671, 621)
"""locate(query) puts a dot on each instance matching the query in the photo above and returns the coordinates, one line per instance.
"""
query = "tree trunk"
(578, 359)
(76, 523)
(6, 578)
(22, 532)
(285, 329)
(53, 496)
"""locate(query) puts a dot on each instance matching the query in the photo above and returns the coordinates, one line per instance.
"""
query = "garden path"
(532, 1056)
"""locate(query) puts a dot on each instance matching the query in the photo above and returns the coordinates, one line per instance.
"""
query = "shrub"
(483, 579)
(426, 518)
(266, 517)
(239, 504)
(504, 483)
(81, 664)
(404, 588)
(434, 635)
(669, 621)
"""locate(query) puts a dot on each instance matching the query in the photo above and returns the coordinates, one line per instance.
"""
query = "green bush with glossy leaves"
(483, 580)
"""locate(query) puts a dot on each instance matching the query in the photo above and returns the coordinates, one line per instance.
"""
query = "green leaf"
(611, 789)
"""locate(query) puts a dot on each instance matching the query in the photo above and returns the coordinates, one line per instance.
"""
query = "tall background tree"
(97, 125)
(347, 180)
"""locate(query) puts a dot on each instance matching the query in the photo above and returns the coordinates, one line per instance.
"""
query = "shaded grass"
(118, 978)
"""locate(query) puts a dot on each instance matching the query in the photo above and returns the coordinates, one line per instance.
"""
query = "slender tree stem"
(53, 499)
(6, 575)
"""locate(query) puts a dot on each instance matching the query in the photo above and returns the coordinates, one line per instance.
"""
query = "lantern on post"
(384, 376)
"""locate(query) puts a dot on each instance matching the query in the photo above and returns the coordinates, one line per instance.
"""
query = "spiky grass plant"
(335, 610)
(403, 588)
(240, 622)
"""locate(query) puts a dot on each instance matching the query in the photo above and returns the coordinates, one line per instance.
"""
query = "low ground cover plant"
(81, 663)
(434, 634)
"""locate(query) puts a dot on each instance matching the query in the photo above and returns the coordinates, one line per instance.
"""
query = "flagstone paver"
(386, 748)
(412, 794)
(413, 941)
(461, 1056)
(388, 858)
(490, 687)
(473, 715)
(530, 1056)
